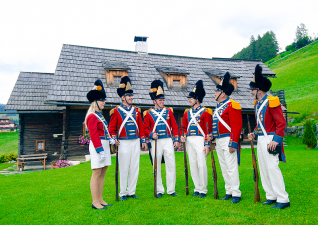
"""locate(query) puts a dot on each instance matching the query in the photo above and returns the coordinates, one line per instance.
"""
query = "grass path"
(63, 196)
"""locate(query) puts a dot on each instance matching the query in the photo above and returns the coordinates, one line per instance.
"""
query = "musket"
(116, 175)
(215, 177)
(255, 170)
(155, 170)
(185, 165)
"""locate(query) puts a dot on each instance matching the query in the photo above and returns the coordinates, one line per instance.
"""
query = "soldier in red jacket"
(99, 143)
(127, 123)
(194, 125)
(227, 126)
(269, 132)
(161, 125)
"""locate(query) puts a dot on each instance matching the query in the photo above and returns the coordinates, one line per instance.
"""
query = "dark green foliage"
(309, 137)
(264, 48)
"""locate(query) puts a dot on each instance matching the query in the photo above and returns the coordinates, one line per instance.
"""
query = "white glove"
(112, 141)
(102, 156)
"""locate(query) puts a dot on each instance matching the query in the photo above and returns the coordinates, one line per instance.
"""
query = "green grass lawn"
(9, 143)
(63, 196)
(297, 75)
(5, 165)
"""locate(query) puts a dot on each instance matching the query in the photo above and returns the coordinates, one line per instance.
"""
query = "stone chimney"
(141, 44)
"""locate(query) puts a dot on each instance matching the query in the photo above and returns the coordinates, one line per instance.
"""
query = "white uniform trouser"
(165, 147)
(271, 176)
(128, 159)
(229, 166)
(197, 160)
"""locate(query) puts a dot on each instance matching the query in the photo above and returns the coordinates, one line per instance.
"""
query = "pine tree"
(309, 137)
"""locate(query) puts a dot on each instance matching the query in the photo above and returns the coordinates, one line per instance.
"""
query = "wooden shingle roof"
(78, 67)
(30, 92)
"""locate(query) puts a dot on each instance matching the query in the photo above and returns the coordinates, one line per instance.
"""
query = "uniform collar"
(125, 107)
(221, 103)
(262, 100)
(157, 109)
(197, 108)
(98, 113)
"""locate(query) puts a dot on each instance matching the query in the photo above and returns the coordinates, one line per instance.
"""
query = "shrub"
(309, 137)
(7, 158)
(63, 163)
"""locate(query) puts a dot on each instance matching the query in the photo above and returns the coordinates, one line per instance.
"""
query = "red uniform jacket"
(97, 131)
(162, 129)
(231, 114)
(130, 130)
(272, 119)
(202, 119)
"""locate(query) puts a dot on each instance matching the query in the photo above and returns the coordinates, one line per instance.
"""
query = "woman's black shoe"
(106, 205)
(98, 208)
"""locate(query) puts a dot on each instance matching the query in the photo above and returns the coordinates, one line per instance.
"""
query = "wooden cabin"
(52, 106)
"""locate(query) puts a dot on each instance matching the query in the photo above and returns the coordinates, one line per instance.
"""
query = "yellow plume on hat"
(128, 86)
(159, 91)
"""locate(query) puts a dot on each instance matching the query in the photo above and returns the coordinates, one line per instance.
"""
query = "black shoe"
(227, 197)
(281, 205)
(159, 195)
(195, 194)
(269, 202)
(174, 194)
(98, 208)
(133, 196)
(235, 200)
(123, 198)
(106, 205)
(202, 195)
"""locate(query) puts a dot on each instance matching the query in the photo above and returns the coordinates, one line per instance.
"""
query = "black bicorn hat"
(125, 87)
(156, 90)
(225, 85)
(259, 81)
(97, 93)
(198, 91)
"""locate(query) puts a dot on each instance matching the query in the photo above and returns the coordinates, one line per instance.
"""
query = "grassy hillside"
(62, 196)
(9, 143)
(298, 76)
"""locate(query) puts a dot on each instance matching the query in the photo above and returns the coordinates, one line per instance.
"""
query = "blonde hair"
(90, 110)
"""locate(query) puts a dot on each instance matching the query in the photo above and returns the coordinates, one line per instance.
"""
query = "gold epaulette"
(112, 110)
(139, 110)
(255, 101)
(145, 112)
(186, 110)
(235, 105)
(171, 109)
(210, 111)
(273, 101)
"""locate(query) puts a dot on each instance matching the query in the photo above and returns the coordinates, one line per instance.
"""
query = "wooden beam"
(66, 113)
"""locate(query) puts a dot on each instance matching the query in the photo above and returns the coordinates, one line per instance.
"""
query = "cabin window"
(175, 77)
(40, 145)
(117, 79)
(176, 83)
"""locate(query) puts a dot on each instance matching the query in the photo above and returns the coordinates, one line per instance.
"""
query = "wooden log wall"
(64, 144)
(40, 126)
(76, 119)
(21, 133)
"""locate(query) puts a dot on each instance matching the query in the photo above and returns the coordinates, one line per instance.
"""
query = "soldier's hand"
(210, 137)
(232, 149)
(176, 144)
(207, 150)
(117, 142)
(183, 138)
(145, 146)
(251, 136)
(272, 145)
(155, 136)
